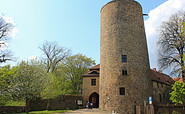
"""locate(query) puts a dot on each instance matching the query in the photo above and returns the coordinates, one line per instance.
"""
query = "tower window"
(93, 82)
(124, 71)
(122, 91)
(124, 58)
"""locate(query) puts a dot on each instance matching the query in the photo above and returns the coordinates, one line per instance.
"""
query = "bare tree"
(172, 44)
(53, 55)
(6, 29)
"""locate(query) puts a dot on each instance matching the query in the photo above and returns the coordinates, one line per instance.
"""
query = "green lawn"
(44, 112)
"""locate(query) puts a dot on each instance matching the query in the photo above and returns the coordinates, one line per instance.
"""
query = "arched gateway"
(94, 98)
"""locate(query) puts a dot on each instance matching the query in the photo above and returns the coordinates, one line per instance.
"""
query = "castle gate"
(94, 98)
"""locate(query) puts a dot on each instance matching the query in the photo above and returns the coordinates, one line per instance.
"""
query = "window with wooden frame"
(93, 82)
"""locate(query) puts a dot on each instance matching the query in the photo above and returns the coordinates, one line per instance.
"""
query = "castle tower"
(124, 63)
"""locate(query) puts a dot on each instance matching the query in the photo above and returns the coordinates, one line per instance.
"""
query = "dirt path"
(87, 111)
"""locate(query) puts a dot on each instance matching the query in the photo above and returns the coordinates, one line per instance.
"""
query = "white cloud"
(156, 17)
(10, 20)
(34, 58)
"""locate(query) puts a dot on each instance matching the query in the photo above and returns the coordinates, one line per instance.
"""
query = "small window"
(93, 82)
(122, 91)
(124, 71)
(124, 58)
(160, 97)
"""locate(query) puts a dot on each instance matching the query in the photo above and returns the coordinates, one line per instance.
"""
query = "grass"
(44, 112)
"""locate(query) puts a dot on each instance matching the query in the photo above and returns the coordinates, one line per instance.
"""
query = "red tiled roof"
(97, 67)
(154, 75)
(92, 73)
(161, 77)
(178, 79)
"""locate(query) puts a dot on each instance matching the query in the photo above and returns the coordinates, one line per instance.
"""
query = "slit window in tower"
(124, 58)
(93, 82)
(122, 91)
(124, 71)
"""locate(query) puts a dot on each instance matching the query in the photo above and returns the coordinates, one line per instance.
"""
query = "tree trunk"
(183, 78)
(182, 66)
(27, 105)
(48, 104)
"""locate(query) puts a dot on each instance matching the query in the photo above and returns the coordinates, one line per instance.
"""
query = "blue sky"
(74, 24)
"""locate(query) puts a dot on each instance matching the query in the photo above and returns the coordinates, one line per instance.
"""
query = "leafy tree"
(178, 93)
(74, 67)
(52, 89)
(54, 54)
(29, 81)
(6, 77)
(6, 29)
(172, 44)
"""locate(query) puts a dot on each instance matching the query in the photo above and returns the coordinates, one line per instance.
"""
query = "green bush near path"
(15, 103)
(44, 112)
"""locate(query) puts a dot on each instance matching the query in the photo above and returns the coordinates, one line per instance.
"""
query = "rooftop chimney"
(154, 69)
(160, 71)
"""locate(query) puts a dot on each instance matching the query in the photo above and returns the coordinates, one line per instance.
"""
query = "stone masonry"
(88, 89)
(123, 33)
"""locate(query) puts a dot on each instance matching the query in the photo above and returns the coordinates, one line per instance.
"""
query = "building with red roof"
(161, 83)
(178, 79)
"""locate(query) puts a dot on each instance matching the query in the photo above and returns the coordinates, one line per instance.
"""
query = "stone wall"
(11, 109)
(62, 102)
(160, 93)
(168, 109)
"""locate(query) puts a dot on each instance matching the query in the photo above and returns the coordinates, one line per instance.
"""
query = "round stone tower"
(124, 63)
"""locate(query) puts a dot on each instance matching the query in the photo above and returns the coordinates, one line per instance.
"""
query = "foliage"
(74, 67)
(15, 103)
(172, 43)
(29, 81)
(178, 93)
(53, 55)
(53, 87)
(174, 112)
(6, 77)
